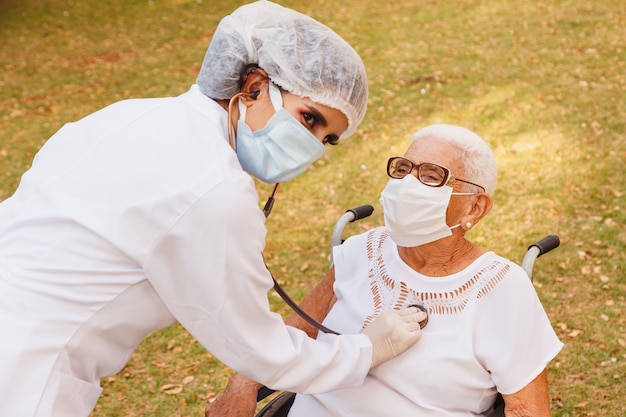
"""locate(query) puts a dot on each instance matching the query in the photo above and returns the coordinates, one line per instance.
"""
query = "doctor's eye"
(309, 119)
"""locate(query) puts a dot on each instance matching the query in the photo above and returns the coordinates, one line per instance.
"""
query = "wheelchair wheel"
(279, 406)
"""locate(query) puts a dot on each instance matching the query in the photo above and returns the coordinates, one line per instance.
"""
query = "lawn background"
(543, 82)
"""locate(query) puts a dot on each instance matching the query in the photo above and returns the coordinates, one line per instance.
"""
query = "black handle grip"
(361, 212)
(546, 244)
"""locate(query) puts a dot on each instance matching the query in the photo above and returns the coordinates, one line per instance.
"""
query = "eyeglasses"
(428, 173)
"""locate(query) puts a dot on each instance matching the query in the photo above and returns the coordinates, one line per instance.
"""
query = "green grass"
(543, 82)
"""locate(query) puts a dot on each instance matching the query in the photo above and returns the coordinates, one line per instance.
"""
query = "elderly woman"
(487, 330)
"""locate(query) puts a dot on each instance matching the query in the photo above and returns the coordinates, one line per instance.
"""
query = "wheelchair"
(280, 405)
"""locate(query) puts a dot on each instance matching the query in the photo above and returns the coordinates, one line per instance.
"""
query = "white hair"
(479, 163)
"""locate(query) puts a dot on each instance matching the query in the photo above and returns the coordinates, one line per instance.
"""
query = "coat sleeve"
(210, 273)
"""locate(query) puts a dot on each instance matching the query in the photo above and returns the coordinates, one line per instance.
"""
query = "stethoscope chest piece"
(424, 322)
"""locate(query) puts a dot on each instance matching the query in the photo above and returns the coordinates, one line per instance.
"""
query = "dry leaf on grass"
(172, 389)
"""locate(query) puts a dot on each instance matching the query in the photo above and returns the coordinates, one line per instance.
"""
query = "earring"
(468, 225)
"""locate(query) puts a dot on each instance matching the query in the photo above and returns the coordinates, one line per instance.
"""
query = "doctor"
(144, 213)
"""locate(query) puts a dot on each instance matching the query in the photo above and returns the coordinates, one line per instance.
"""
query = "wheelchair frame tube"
(349, 216)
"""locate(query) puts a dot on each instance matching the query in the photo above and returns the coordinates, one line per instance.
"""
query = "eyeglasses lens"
(400, 167)
(429, 174)
(432, 175)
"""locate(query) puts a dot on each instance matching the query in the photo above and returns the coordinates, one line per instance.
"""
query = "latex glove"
(393, 332)
(237, 400)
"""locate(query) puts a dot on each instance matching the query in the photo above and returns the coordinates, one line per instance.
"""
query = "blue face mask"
(280, 151)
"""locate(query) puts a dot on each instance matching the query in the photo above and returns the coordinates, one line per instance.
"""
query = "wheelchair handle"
(537, 249)
(546, 244)
(361, 212)
(349, 216)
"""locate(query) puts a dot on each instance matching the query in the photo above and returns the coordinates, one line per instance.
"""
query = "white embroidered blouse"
(487, 332)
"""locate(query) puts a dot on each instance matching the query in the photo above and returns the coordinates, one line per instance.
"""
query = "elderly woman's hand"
(237, 400)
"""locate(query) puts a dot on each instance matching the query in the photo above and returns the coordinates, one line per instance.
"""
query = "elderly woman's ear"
(480, 205)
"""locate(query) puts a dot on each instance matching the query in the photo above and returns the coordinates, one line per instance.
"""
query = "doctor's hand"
(237, 400)
(393, 332)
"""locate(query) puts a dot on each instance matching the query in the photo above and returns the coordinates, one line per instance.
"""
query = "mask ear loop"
(276, 96)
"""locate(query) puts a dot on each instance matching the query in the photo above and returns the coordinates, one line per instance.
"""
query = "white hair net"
(298, 53)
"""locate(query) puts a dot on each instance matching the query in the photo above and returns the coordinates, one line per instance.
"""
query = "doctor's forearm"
(240, 391)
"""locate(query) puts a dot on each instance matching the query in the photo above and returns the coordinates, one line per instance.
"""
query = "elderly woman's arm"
(239, 397)
(530, 401)
(317, 304)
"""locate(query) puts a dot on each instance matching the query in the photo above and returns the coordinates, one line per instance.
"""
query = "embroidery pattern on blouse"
(389, 293)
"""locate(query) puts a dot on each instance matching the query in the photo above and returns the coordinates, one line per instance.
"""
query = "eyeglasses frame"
(415, 167)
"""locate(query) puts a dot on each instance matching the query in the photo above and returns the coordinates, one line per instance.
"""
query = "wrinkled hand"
(393, 332)
(237, 400)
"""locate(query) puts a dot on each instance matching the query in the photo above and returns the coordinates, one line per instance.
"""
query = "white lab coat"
(130, 219)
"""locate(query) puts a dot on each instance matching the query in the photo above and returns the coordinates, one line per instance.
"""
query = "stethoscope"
(267, 209)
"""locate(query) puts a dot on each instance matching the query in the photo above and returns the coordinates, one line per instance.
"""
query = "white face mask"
(415, 214)
(280, 151)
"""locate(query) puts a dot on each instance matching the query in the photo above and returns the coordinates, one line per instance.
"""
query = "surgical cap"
(299, 54)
